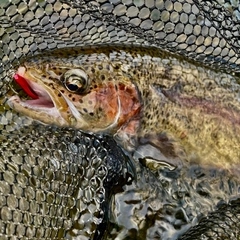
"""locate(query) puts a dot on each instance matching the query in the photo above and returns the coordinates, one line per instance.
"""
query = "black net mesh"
(55, 185)
(194, 29)
(221, 224)
(206, 32)
(190, 28)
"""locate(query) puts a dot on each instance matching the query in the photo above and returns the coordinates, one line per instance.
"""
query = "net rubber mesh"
(55, 183)
(206, 32)
(222, 224)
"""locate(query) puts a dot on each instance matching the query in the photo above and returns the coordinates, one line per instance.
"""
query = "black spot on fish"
(91, 113)
(100, 67)
(81, 101)
(102, 77)
(59, 95)
(85, 110)
(90, 102)
(73, 99)
(70, 95)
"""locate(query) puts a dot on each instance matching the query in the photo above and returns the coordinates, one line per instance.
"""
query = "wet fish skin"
(187, 110)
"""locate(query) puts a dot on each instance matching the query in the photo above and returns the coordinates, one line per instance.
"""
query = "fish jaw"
(40, 112)
(44, 106)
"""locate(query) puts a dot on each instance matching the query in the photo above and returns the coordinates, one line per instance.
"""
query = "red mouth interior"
(25, 86)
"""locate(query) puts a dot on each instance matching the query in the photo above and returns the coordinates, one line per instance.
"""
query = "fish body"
(185, 110)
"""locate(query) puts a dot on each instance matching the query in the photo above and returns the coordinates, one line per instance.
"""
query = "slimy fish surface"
(185, 110)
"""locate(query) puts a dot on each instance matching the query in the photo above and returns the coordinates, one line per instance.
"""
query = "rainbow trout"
(136, 93)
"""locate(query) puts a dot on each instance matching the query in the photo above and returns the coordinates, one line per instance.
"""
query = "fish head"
(80, 91)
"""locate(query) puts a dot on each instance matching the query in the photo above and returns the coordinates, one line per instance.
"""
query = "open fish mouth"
(40, 101)
(40, 97)
(43, 103)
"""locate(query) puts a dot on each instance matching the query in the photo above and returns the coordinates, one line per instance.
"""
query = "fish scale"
(155, 95)
(205, 31)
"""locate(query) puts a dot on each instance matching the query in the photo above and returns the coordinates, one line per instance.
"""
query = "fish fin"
(171, 93)
(162, 142)
(126, 135)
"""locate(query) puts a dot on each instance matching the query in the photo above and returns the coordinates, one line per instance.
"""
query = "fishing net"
(222, 224)
(55, 185)
(205, 32)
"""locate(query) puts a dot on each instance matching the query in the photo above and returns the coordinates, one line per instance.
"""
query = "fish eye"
(75, 80)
